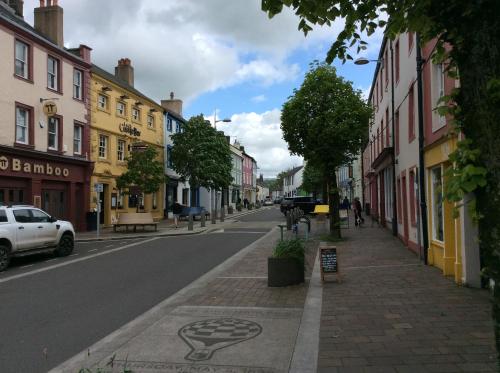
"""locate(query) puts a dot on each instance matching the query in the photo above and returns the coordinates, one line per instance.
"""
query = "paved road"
(62, 306)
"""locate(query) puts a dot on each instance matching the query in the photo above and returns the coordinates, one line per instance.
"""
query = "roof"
(8, 15)
(121, 83)
(175, 115)
(293, 171)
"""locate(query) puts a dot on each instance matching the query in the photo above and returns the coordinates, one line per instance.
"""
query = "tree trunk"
(334, 204)
(478, 61)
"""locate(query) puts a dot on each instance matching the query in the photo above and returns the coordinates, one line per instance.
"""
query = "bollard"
(289, 220)
(190, 222)
(222, 214)
(203, 218)
(213, 216)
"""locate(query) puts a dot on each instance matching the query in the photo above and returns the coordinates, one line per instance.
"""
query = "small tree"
(144, 171)
(202, 155)
(326, 121)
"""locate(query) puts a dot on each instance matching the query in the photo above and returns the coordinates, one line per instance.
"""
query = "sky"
(218, 56)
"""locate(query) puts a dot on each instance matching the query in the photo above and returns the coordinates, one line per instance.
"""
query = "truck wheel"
(65, 246)
(4, 257)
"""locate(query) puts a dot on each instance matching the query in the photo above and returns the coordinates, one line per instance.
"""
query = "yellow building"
(122, 119)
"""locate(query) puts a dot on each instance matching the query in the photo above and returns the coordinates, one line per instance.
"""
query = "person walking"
(358, 219)
(176, 210)
(245, 202)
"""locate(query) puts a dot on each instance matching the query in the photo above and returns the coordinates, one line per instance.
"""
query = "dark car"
(306, 204)
(278, 200)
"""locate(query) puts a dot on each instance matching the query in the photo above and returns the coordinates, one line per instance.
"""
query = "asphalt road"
(51, 309)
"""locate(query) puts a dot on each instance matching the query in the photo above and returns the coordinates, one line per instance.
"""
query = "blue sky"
(213, 54)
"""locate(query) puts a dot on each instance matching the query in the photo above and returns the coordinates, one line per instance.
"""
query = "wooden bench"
(134, 219)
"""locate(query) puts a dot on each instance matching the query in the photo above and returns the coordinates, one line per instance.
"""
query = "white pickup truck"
(26, 230)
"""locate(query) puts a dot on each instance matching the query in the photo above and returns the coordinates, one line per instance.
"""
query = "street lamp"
(363, 61)
(214, 203)
(225, 120)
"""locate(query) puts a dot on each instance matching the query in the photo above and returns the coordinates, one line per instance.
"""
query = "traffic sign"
(98, 188)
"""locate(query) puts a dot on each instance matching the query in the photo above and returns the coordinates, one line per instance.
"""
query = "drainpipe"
(423, 203)
(394, 206)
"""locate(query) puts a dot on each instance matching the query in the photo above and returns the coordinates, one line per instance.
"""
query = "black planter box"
(284, 272)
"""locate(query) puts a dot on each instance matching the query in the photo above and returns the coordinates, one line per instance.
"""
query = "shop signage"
(18, 165)
(328, 261)
(50, 108)
(128, 128)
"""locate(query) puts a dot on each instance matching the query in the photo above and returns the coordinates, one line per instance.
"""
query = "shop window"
(121, 150)
(437, 204)
(102, 102)
(133, 200)
(103, 146)
(78, 84)
(22, 60)
(77, 139)
(53, 74)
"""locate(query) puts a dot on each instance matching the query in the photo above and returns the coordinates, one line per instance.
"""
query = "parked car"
(306, 204)
(27, 230)
(268, 202)
(278, 200)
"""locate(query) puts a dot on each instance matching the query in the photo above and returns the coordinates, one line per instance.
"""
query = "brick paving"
(392, 314)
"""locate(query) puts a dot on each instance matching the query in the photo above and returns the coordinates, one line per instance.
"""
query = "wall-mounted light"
(124, 97)
(105, 89)
(138, 103)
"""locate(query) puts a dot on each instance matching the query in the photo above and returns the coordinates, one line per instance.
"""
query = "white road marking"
(63, 264)
(90, 251)
(73, 254)
(108, 246)
(27, 266)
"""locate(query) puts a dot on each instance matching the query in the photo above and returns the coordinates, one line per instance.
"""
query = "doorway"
(405, 209)
(54, 203)
(103, 201)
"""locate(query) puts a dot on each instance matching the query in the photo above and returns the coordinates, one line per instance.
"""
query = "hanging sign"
(49, 108)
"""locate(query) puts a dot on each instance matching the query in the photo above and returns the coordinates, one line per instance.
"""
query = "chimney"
(16, 5)
(49, 21)
(125, 71)
(174, 105)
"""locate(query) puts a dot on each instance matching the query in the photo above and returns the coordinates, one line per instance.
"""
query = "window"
(411, 36)
(77, 139)
(413, 216)
(386, 68)
(169, 124)
(78, 84)
(53, 73)
(120, 108)
(102, 102)
(22, 55)
(396, 129)
(22, 216)
(151, 121)
(39, 216)
(398, 191)
(439, 75)
(387, 131)
(22, 125)
(121, 150)
(155, 200)
(437, 204)
(53, 130)
(177, 127)
(397, 61)
(411, 115)
(381, 87)
(103, 146)
(132, 200)
(3, 216)
(136, 114)
(119, 199)
(169, 156)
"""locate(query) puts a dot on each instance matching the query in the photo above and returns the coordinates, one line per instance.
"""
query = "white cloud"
(262, 138)
(259, 98)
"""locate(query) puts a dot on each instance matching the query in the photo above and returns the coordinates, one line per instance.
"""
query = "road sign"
(98, 188)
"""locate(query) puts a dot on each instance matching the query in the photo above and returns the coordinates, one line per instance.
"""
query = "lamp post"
(364, 61)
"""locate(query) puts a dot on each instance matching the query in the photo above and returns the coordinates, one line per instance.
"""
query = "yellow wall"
(107, 122)
(445, 255)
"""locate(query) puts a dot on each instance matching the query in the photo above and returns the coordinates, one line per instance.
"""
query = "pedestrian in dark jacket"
(176, 210)
(358, 219)
(245, 203)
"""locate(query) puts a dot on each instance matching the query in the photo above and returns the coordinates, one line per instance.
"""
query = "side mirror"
(52, 219)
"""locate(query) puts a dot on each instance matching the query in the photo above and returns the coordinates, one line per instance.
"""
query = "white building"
(235, 189)
(293, 181)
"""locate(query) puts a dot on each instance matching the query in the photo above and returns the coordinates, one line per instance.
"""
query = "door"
(26, 230)
(405, 209)
(46, 230)
(54, 203)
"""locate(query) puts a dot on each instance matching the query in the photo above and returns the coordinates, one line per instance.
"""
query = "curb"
(187, 233)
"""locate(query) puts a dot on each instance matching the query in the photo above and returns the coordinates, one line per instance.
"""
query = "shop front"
(58, 185)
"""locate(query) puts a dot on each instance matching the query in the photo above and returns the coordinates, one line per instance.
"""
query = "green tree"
(472, 29)
(144, 171)
(313, 180)
(202, 155)
(326, 121)
(277, 184)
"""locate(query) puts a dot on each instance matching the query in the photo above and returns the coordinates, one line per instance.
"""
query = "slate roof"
(294, 170)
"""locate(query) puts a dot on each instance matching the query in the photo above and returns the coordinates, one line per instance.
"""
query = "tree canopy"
(144, 171)
(326, 121)
(312, 179)
(202, 155)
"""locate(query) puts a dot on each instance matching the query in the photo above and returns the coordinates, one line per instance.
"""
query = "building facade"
(44, 142)
(292, 181)
(248, 177)
(235, 189)
(123, 121)
(175, 189)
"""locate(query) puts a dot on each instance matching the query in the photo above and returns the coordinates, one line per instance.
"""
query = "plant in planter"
(230, 209)
(250, 206)
(286, 266)
(238, 207)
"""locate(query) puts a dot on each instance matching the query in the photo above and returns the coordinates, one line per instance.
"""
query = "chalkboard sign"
(328, 259)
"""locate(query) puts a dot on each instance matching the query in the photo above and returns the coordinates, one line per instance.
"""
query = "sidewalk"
(392, 314)
(166, 227)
